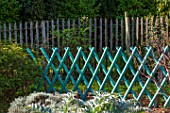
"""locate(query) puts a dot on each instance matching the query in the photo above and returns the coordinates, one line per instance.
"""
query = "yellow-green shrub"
(18, 72)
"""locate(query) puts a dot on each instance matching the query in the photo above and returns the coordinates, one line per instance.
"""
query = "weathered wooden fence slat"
(101, 38)
(37, 34)
(10, 34)
(26, 32)
(117, 28)
(21, 37)
(15, 31)
(111, 34)
(5, 32)
(108, 73)
(31, 33)
(122, 33)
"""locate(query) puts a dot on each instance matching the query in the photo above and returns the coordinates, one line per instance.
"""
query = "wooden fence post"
(127, 32)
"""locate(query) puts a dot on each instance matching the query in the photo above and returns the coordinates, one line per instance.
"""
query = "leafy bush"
(73, 38)
(64, 103)
(9, 11)
(18, 72)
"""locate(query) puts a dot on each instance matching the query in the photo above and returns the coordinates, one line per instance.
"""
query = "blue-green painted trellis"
(107, 72)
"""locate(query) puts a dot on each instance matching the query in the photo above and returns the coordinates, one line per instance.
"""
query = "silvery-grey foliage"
(67, 103)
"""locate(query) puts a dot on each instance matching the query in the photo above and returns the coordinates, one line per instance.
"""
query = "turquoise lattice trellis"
(135, 73)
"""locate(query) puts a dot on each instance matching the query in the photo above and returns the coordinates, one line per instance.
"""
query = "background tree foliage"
(9, 10)
(22, 10)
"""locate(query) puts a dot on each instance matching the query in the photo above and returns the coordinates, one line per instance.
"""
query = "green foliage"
(9, 11)
(64, 103)
(18, 73)
(73, 38)
(163, 7)
(24, 10)
(116, 8)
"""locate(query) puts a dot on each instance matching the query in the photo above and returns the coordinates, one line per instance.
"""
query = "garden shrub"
(18, 73)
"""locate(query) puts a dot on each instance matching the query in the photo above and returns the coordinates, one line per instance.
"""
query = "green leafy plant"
(73, 38)
(18, 73)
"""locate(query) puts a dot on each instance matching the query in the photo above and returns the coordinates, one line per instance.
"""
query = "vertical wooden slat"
(146, 25)
(122, 33)
(15, 31)
(26, 32)
(156, 24)
(167, 31)
(90, 31)
(73, 23)
(58, 29)
(10, 35)
(133, 30)
(5, 34)
(21, 37)
(48, 34)
(37, 34)
(68, 27)
(0, 33)
(162, 28)
(43, 32)
(101, 35)
(63, 22)
(52, 25)
(106, 37)
(127, 32)
(151, 23)
(111, 34)
(141, 24)
(137, 31)
(95, 33)
(79, 23)
(31, 33)
(117, 29)
(84, 26)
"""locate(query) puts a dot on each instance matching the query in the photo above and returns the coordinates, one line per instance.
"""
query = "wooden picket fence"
(124, 32)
